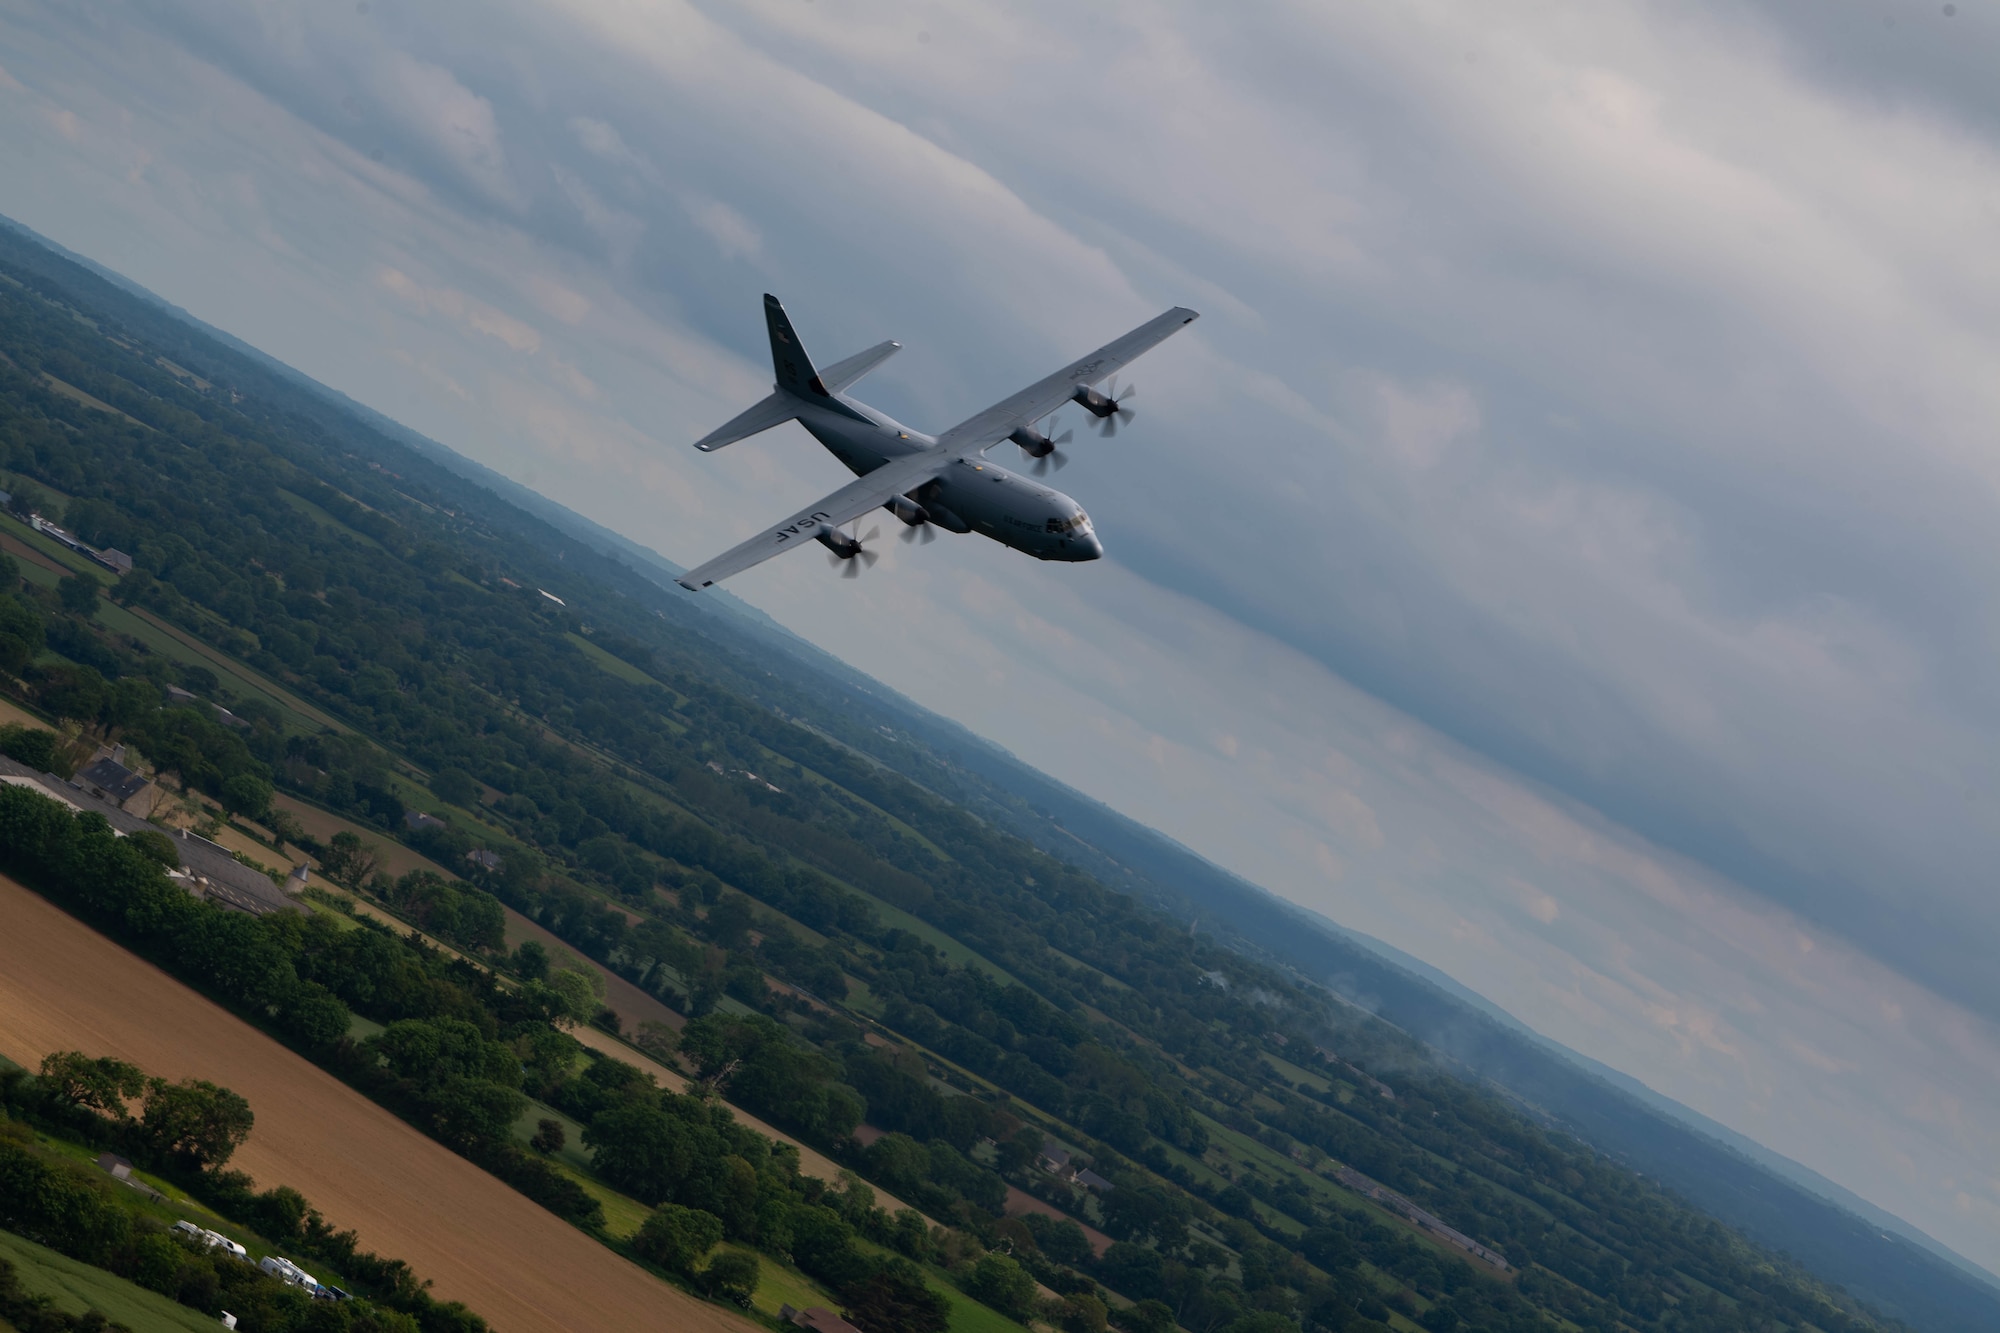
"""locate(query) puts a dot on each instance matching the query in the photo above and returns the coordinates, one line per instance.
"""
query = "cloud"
(454, 305)
(456, 123)
(732, 233)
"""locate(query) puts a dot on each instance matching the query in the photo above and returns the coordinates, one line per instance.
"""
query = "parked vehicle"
(211, 1240)
(290, 1274)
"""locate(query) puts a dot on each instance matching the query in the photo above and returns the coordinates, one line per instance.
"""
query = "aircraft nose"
(1093, 549)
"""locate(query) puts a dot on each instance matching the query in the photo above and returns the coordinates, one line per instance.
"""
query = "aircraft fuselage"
(973, 494)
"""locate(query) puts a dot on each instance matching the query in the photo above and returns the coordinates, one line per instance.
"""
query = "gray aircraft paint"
(944, 481)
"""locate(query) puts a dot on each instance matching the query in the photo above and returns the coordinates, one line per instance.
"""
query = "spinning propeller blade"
(1119, 414)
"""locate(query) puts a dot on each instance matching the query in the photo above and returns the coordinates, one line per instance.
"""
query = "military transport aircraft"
(926, 481)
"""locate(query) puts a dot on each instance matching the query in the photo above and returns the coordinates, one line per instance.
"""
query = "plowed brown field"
(65, 987)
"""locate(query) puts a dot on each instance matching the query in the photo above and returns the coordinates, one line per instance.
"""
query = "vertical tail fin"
(796, 373)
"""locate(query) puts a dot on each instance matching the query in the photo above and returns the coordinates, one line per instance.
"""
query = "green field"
(968, 1315)
(779, 1285)
(617, 666)
(76, 1288)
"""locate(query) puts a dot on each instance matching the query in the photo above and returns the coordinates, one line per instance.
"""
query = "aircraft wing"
(1039, 399)
(850, 502)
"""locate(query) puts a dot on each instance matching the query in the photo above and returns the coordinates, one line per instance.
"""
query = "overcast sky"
(1568, 548)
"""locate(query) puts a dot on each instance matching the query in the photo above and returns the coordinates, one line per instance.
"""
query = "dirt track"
(63, 986)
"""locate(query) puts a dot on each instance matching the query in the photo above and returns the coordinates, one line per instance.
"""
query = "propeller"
(848, 554)
(1118, 413)
(1052, 456)
(922, 533)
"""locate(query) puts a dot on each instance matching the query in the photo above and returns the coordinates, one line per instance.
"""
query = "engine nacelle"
(1033, 443)
(838, 542)
(909, 511)
(1093, 402)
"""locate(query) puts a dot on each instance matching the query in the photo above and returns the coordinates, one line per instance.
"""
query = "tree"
(33, 746)
(156, 845)
(895, 1299)
(455, 786)
(246, 794)
(79, 594)
(549, 1137)
(730, 1276)
(1082, 1313)
(1148, 1316)
(531, 960)
(102, 1084)
(1003, 1284)
(195, 1121)
(68, 690)
(1061, 1240)
(21, 632)
(1262, 1321)
(582, 991)
(348, 859)
(675, 1237)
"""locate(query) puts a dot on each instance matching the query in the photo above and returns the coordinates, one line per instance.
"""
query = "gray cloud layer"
(1609, 390)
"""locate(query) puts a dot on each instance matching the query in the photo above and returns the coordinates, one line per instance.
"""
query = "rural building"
(177, 695)
(115, 560)
(817, 1318)
(295, 883)
(417, 820)
(119, 1168)
(206, 870)
(229, 719)
(1056, 1162)
(1091, 1180)
(109, 780)
(485, 860)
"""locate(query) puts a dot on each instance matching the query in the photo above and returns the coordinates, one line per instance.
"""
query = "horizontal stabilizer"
(773, 411)
(843, 373)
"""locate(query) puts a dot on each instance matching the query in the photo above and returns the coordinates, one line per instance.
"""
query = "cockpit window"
(1074, 523)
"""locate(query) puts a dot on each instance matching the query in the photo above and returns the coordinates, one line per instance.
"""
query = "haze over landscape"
(1563, 551)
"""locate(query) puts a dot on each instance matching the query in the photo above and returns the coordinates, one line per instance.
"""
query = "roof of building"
(819, 1319)
(421, 819)
(112, 778)
(1091, 1180)
(222, 877)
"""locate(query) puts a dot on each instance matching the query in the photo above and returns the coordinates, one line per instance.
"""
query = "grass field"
(63, 986)
(778, 1285)
(11, 713)
(632, 1005)
(959, 953)
(617, 666)
(51, 552)
(76, 1288)
(393, 857)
